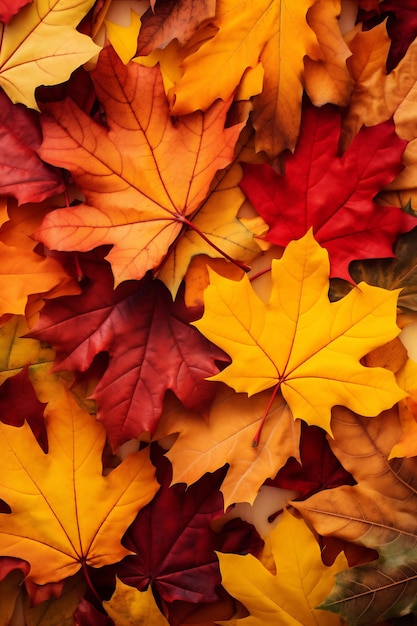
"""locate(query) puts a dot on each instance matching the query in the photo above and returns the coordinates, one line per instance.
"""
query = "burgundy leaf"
(151, 349)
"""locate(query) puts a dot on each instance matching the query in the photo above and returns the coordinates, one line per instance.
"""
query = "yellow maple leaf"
(299, 341)
(64, 513)
(289, 596)
(130, 607)
(40, 46)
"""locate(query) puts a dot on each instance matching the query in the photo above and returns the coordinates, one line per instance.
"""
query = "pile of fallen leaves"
(208, 251)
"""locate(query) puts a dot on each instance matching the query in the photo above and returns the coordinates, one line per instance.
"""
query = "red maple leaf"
(173, 541)
(22, 172)
(331, 193)
(151, 348)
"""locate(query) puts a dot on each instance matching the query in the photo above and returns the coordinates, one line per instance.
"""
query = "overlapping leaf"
(56, 533)
(23, 174)
(226, 437)
(173, 544)
(135, 324)
(273, 31)
(40, 46)
(379, 513)
(301, 343)
(332, 193)
(137, 198)
(291, 594)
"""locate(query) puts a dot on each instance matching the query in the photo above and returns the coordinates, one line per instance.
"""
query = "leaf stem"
(89, 582)
(255, 441)
(195, 228)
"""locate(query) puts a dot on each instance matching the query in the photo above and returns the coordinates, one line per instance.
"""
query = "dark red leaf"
(174, 542)
(319, 468)
(87, 615)
(331, 193)
(150, 349)
(23, 174)
(19, 403)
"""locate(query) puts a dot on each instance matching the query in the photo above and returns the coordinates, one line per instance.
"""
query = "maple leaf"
(333, 194)
(8, 8)
(164, 536)
(40, 46)
(379, 512)
(226, 436)
(135, 323)
(128, 606)
(170, 20)
(23, 174)
(301, 343)
(289, 596)
(275, 33)
(137, 197)
(56, 533)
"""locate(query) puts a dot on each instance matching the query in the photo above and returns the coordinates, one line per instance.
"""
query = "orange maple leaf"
(142, 177)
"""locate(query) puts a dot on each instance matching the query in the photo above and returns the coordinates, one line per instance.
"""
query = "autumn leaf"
(301, 343)
(131, 392)
(129, 607)
(56, 533)
(136, 199)
(226, 436)
(379, 512)
(331, 193)
(291, 595)
(23, 174)
(276, 33)
(327, 80)
(163, 539)
(40, 46)
(317, 468)
(172, 20)
(16, 351)
(19, 403)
